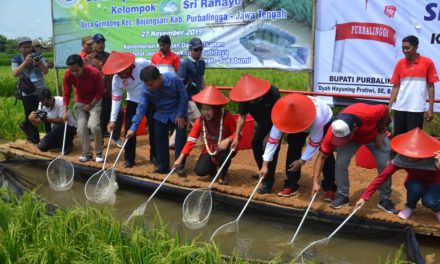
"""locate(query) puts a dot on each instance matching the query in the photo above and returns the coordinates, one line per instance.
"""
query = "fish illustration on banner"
(270, 43)
(169, 7)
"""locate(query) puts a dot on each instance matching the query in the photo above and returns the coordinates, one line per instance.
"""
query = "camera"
(42, 115)
(36, 56)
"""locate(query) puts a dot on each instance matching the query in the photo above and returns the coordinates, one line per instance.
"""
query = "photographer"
(33, 67)
(51, 110)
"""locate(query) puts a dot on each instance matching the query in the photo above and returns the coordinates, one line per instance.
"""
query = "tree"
(3, 40)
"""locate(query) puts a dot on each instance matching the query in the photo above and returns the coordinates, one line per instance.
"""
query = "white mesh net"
(60, 174)
(197, 208)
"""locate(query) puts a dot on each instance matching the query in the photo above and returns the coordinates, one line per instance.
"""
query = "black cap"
(195, 43)
(98, 37)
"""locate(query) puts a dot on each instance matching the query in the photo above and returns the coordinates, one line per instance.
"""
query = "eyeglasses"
(197, 49)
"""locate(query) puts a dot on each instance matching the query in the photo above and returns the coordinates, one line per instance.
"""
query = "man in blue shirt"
(167, 93)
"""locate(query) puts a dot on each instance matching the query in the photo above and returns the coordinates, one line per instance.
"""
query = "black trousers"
(30, 103)
(105, 118)
(258, 146)
(54, 139)
(406, 121)
(296, 142)
(206, 166)
(151, 131)
(130, 147)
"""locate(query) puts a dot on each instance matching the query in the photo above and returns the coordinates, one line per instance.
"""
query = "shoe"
(99, 158)
(265, 189)
(67, 150)
(438, 216)
(329, 196)
(181, 172)
(118, 142)
(405, 213)
(128, 164)
(388, 206)
(85, 158)
(339, 201)
(161, 171)
(287, 192)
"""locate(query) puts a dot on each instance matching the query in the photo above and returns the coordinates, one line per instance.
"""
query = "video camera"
(42, 115)
(36, 56)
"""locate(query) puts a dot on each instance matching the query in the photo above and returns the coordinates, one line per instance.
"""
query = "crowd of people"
(172, 95)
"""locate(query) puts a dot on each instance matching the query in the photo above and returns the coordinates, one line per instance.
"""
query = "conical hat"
(249, 88)
(415, 144)
(210, 96)
(293, 113)
(117, 62)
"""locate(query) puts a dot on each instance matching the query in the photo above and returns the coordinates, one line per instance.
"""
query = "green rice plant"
(11, 115)
(90, 235)
(397, 259)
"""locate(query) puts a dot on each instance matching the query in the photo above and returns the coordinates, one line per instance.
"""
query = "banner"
(358, 43)
(236, 33)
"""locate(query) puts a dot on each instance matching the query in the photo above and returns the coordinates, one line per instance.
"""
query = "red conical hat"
(293, 113)
(210, 96)
(415, 144)
(117, 62)
(249, 88)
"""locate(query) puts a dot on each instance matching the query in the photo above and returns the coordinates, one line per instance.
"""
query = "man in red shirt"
(413, 80)
(358, 124)
(89, 88)
(165, 60)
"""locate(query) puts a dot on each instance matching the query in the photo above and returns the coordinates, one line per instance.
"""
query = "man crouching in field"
(51, 110)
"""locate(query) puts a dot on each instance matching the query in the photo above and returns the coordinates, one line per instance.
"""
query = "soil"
(241, 182)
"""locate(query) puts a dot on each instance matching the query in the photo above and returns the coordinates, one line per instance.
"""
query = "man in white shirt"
(126, 69)
(300, 116)
(51, 110)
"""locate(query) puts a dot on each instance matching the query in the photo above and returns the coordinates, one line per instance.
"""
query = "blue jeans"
(344, 156)
(430, 195)
(162, 146)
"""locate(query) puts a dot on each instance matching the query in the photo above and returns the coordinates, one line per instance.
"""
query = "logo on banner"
(67, 3)
(390, 11)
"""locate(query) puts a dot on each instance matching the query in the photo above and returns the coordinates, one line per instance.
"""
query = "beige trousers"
(92, 121)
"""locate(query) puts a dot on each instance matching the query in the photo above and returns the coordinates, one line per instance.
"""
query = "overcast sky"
(30, 18)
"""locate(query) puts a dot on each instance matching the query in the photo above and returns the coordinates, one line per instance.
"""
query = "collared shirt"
(83, 54)
(32, 71)
(57, 111)
(316, 130)
(134, 87)
(413, 79)
(369, 116)
(192, 71)
(261, 110)
(88, 86)
(171, 101)
(98, 60)
(168, 63)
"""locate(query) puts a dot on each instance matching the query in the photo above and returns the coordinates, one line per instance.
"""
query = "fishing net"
(60, 174)
(197, 208)
(101, 187)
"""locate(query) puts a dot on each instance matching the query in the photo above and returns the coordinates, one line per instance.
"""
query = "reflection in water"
(257, 237)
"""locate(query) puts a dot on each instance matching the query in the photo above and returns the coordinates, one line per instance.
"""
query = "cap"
(38, 42)
(195, 43)
(117, 62)
(249, 88)
(210, 96)
(87, 39)
(23, 40)
(342, 128)
(98, 37)
(415, 144)
(293, 105)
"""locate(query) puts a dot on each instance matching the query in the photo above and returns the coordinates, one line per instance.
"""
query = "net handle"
(221, 168)
(119, 154)
(249, 199)
(64, 138)
(108, 147)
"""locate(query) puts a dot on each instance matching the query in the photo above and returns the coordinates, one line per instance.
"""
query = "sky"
(31, 18)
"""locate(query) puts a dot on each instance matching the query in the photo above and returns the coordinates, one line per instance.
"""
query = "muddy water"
(258, 237)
